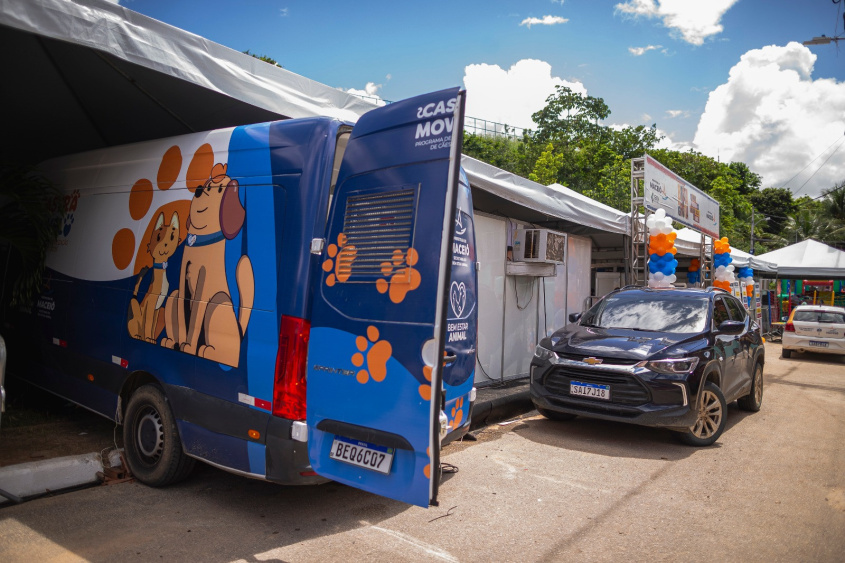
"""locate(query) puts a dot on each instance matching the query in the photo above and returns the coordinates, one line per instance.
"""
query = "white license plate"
(592, 390)
(363, 454)
(818, 344)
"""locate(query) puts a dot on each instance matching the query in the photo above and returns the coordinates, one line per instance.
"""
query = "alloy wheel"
(709, 416)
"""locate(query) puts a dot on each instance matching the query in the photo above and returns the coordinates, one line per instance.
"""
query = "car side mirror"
(731, 327)
(573, 317)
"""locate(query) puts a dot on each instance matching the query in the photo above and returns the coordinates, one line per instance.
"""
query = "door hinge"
(317, 245)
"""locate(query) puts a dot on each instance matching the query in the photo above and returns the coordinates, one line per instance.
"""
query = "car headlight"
(544, 354)
(673, 365)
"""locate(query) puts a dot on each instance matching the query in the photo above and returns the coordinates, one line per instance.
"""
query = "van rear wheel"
(151, 440)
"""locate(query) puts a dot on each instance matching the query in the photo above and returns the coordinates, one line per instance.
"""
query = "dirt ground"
(38, 425)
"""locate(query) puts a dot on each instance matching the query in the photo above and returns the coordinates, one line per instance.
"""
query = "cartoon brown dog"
(144, 316)
(200, 316)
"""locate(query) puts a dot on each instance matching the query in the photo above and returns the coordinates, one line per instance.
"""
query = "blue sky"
(719, 76)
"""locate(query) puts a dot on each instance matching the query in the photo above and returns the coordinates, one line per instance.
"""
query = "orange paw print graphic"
(378, 353)
(457, 413)
(340, 260)
(425, 390)
(403, 279)
(427, 468)
(125, 248)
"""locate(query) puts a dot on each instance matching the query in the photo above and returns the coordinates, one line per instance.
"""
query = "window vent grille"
(377, 226)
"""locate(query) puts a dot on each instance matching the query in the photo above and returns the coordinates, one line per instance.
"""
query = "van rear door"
(378, 322)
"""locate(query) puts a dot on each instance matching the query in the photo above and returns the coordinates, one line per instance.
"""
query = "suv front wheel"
(710, 424)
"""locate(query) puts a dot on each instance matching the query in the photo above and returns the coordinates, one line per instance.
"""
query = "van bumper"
(287, 459)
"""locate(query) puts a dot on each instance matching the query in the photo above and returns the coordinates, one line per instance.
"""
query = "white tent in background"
(807, 259)
(756, 263)
(688, 243)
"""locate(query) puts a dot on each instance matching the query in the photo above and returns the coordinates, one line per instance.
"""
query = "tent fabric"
(555, 200)
(133, 37)
(808, 259)
(89, 74)
(756, 263)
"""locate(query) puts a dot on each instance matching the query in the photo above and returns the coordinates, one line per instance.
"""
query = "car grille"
(624, 389)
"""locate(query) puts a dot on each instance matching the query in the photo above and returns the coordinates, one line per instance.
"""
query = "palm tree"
(807, 223)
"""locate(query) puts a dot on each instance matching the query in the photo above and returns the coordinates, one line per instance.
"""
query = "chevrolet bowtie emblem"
(592, 361)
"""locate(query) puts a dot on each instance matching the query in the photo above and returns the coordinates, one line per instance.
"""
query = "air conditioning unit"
(539, 245)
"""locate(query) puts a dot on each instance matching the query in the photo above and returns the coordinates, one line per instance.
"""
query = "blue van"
(292, 301)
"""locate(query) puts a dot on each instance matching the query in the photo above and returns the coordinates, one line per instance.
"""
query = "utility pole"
(752, 230)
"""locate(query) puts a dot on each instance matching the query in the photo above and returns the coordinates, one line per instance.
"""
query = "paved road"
(771, 489)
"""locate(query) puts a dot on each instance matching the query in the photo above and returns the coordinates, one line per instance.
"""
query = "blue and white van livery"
(292, 301)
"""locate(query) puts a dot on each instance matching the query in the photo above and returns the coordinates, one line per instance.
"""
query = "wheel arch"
(136, 380)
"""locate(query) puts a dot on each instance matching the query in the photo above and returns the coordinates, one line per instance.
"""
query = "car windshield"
(649, 312)
(819, 317)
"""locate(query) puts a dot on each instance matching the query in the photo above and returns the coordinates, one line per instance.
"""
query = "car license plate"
(363, 454)
(818, 344)
(592, 390)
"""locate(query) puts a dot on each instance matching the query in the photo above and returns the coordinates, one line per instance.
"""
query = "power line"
(838, 139)
(820, 167)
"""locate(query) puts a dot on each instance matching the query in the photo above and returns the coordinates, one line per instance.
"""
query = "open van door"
(378, 323)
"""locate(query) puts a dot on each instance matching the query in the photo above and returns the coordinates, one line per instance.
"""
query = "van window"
(342, 139)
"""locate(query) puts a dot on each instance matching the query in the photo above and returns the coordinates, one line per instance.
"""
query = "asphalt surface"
(63, 446)
(771, 489)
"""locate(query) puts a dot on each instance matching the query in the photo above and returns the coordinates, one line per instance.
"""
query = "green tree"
(502, 152)
(264, 58)
(749, 182)
(569, 117)
(809, 221)
(547, 166)
(614, 185)
(775, 204)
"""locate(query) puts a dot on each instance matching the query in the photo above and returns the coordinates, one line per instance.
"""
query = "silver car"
(815, 328)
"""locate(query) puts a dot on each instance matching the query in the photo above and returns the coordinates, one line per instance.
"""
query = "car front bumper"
(637, 395)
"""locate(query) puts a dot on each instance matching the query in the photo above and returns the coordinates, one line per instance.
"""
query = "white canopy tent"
(688, 243)
(556, 206)
(809, 259)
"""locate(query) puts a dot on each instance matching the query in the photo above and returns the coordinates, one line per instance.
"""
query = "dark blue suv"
(671, 358)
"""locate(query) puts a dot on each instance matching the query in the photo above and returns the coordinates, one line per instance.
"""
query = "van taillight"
(289, 385)
(789, 327)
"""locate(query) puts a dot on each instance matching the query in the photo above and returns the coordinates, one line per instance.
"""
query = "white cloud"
(640, 51)
(774, 117)
(511, 96)
(369, 93)
(694, 20)
(672, 113)
(284, 12)
(545, 20)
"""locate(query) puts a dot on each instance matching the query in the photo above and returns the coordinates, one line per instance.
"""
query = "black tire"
(754, 400)
(151, 440)
(554, 415)
(712, 416)
(786, 353)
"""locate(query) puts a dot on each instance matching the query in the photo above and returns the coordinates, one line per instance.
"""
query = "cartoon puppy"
(144, 316)
(200, 316)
